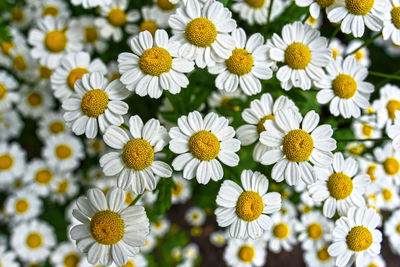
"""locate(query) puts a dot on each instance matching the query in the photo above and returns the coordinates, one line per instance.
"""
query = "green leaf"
(163, 202)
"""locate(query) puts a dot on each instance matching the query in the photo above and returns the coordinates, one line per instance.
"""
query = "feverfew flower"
(392, 231)
(245, 253)
(12, 163)
(316, 5)
(282, 234)
(7, 94)
(391, 28)
(315, 230)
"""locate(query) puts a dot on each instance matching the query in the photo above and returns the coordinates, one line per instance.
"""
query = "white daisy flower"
(115, 18)
(35, 103)
(282, 234)
(303, 52)
(92, 39)
(203, 32)
(344, 87)
(337, 48)
(12, 163)
(314, 230)
(113, 72)
(366, 128)
(22, 206)
(373, 261)
(109, 232)
(392, 231)
(154, 65)
(163, 9)
(219, 238)
(245, 211)
(318, 257)
(91, 3)
(52, 8)
(223, 99)
(245, 67)
(139, 261)
(7, 94)
(256, 11)
(65, 186)
(190, 252)
(314, 23)
(370, 167)
(260, 111)
(32, 241)
(133, 161)
(148, 22)
(316, 5)
(387, 105)
(51, 124)
(52, 40)
(8, 258)
(195, 216)
(182, 191)
(389, 167)
(63, 152)
(388, 197)
(24, 66)
(149, 245)
(160, 227)
(293, 149)
(245, 253)
(95, 104)
(361, 55)
(19, 17)
(393, 131)
(339, 186)
(200, 142)
(71, 69)
(65, 255)
(38, 177)
(95, 147)
(10, 125)
(355, 236)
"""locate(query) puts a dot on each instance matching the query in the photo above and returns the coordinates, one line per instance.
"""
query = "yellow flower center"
(63, 151)
(165, 5)
(6, 48)
(18, 184)
(138, 154)
(56, 127)
(177, 190)
(255, 3)
(55, 41)
(35, 99)
(96, 145)
(43, 176)
(225, 103)
(74, 75)
(387, 194)
(281, 230)
(371, 172)
(246, 253)
(372, 265)
(19, 63)
(115, 76)
(148, 25)
(391, 166)
(359, 7)
(396, 16)
(17, 14)
(249, 206)
(204, 145)
(34, 240)
(3, 91)
(107, 227)
(91, 34)
(323, 255)
(62, 187)
(129, 264)
(50, 10)
(201, 32)
(21, 206)
(325, 3)
(297, 56)
(356, 150)
(340, 185)
(335, 53)
(240, 62)
(359, 239)
(94, 103)
(129, 198)
(260, 125)
(306, 209)
(398, 228)
(297, 145)
(155, 61)
(71, 260)
(344, 86)
(314, 231)
(367, 130)
(117, 17)
(391, 107)
(6, 162)
(45, 72)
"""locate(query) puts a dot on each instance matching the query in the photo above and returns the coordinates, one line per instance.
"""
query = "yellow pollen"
(155, 61)
(71, 260)
(255, 3)
(335, 53)
(297, 56)
(94, 103)
(204, 145)
(74, 75)
(372, 265)
(311, 20)
(148, 25)
(359, 239)
(357, 150)
(281, 230)
(165, 5)
(34, 240)
(340, 185)
(398, 228)
(43, 176)
(115, 76)
(19, 63)
(371, 172)
(45, 72)
(35, 99)
(177, 190)
(314, 231)
(201, 32)
(107, 227)
(344, 86)
(323, 255)
(372, 196)
(21, 206)
(306, 209)
(391, 107)
(6, 48)
(105, 190)
(129, 264)
(50, 10)
(396, 16)
(138, 154)
(196, 231)
(117, 17)
(62, 187)
(129, 198)
(297, 145)
(359, 55)
(17, 14)
(367, 130)
(391, 166)
(91, 34)
(369, 111)
(387, 194)
(17, 184)
(56, 127)
(63, 151)
(325, 3)
(240, 62)
(96, 145)
(249, 206)
(260, 125)
(246, 253)
(3, 91)
(6, 162)
(359, 7)
(55, 41)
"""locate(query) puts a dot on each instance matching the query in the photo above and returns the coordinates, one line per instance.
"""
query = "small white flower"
(22, 206)
(245, 253)
(91, 3)
(195, 216)
(282, 234)
(65, 255)
(316, 5)
(160, 227)
(7, 94)
(35, 102)
(361, 55)
(8, 258)
(12, 163)
(51, 124)
(10, 125)
(319, 257)
(392, 231)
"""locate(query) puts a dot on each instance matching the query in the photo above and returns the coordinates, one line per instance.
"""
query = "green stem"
(363, 140)
(384, 75)
(136, 200)
(334, 34)
(269, 11)
(366, 43)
